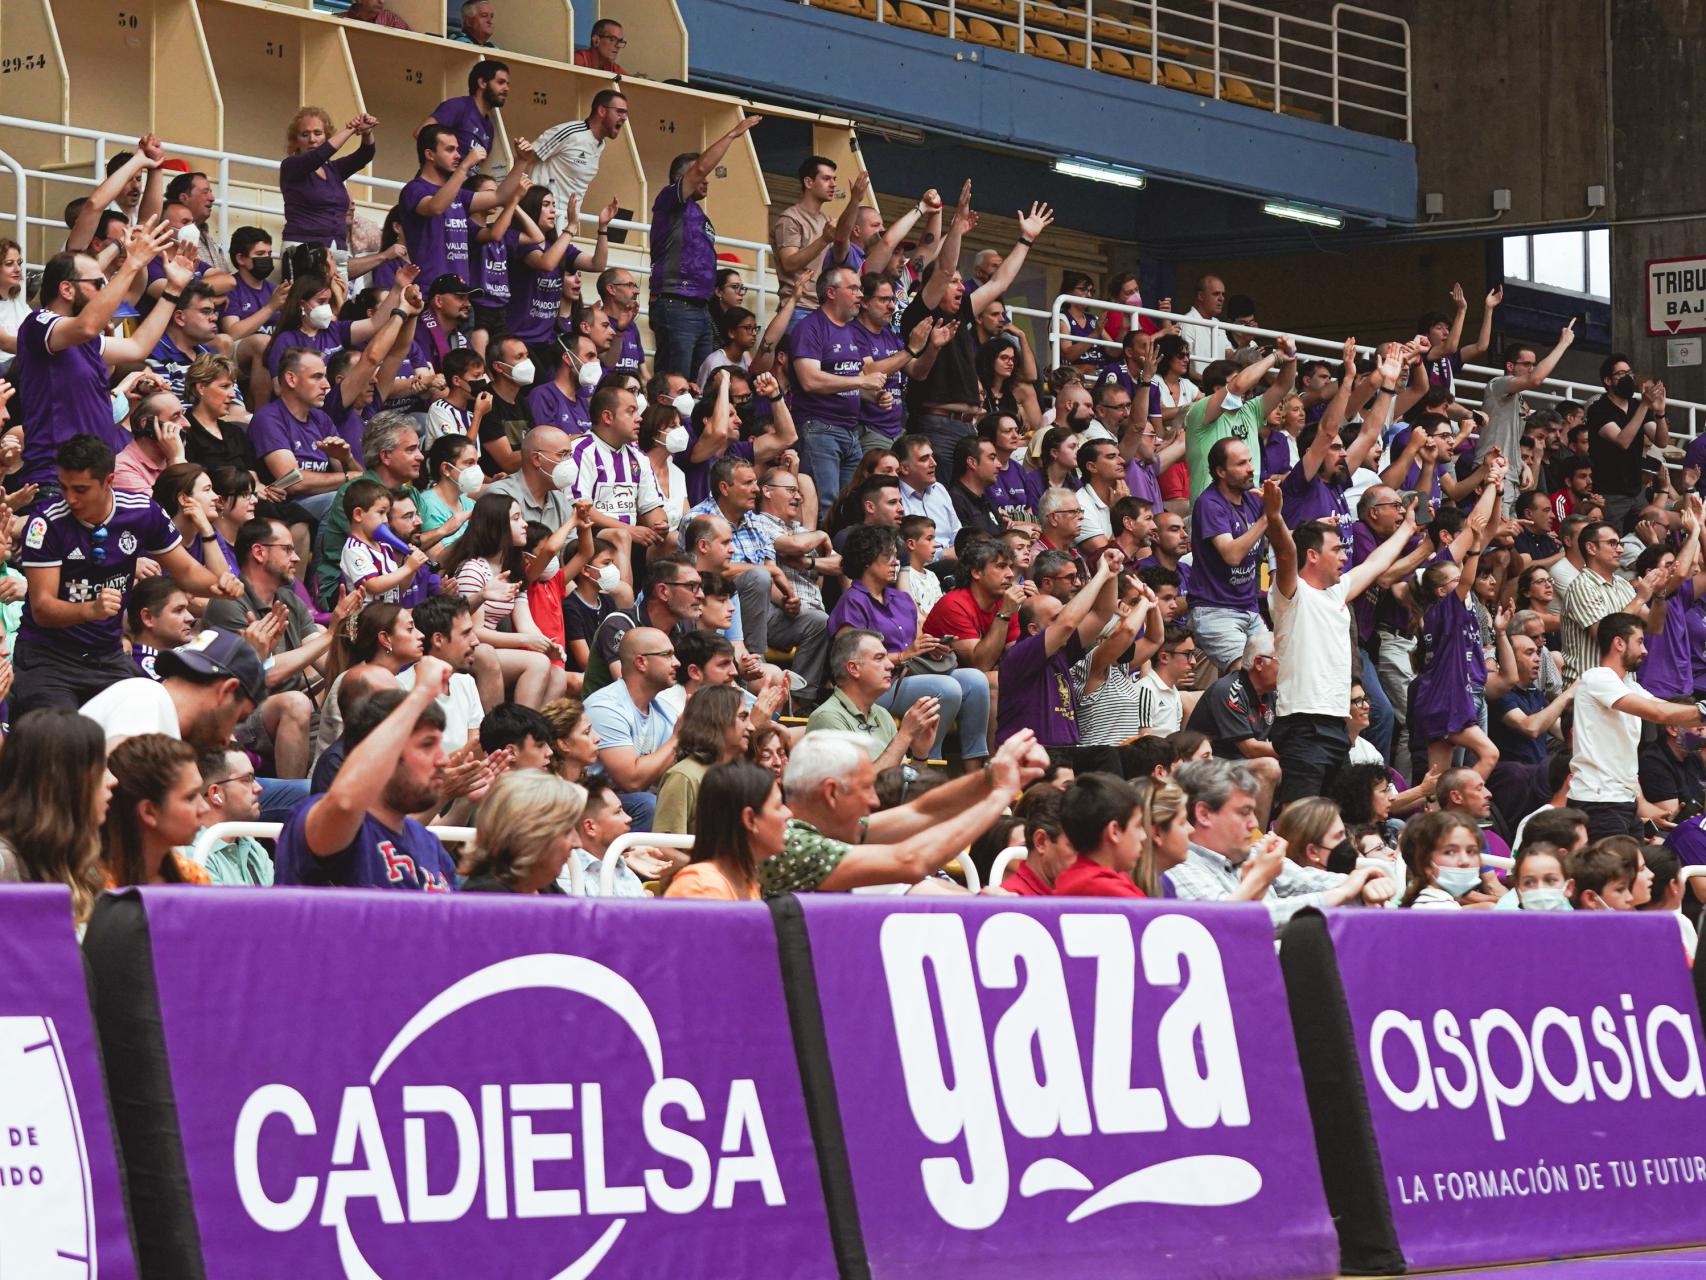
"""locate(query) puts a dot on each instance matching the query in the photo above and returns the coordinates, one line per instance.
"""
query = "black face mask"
(480, 388)
(260, 268)
(1624, 387)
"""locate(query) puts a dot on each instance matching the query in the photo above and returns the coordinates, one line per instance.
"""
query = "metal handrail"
(629, 840)
(1005, 859)
(1561, 388)
(765, 279)
(220, 832)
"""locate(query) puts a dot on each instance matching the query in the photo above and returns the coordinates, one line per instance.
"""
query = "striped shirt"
(1589, 599)
(1123, 706)
(618, 479)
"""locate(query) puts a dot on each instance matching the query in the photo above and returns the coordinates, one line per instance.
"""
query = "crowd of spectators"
(370, 544)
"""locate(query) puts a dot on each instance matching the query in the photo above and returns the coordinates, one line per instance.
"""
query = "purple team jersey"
(880, 346)
(274, 427)
(1668, 671)
(471, 124)
(494, 268)
(1454, 662)
(89, 559)
(631, 354)
(699, 473)
(684, 246)
(1142, 481)
(60, 395)
(1037, 691)
(549, 407)
(328, 342)
(437, 245)
(378, 857)
(894, 617)
(1214, 582)
(1010, 495)
(1315, 499)
(535, 296)
(838, 350)
(316, 207)
(243, 301)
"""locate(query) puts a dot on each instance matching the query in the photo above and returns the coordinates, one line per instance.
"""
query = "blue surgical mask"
(1544, 900)
(1458, 881)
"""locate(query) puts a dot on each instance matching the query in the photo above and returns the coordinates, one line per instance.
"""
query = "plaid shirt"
(1589, 599)
(752, 544)
(1207, 876)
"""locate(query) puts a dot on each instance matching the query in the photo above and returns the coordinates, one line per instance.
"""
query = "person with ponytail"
(157, 807)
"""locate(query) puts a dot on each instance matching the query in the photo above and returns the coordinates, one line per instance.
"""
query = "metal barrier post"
(22, 212)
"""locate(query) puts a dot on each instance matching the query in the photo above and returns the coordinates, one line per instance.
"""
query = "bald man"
(360, 681)
(636, 735)
(542, 450)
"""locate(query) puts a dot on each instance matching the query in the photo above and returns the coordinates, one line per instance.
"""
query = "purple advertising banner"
(387, 1084)
(61, 1212)
(1069, 1087)
(1534, 1084)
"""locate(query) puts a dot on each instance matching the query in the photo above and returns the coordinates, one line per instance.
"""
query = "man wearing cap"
(79, 556)
(441, 326)
(205, 688)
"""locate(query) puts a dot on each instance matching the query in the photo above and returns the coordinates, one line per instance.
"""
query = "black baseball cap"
(449, 282)
(217, 655)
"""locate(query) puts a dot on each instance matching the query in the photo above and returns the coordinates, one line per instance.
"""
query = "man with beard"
(360, 833)
(1228, 543)
(471, 116)
(205, 688)
(1315, 488)
(1609, 708)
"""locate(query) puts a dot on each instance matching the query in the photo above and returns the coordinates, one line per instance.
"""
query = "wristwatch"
(1005, 617)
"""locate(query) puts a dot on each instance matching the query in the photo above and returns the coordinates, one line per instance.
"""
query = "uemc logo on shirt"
(963, 1076)
(483, 1153)
(1499, 1062)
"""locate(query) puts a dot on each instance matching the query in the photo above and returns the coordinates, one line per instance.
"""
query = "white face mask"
(469, 480)
(1457, 881)
(321, 317)
(676, 439)
(551, 567)
(608, 578)
(591, 373)
(685, 404)
(1544, 900)
(522, 372)
(563, 474)
(640, 403)
(187, 234)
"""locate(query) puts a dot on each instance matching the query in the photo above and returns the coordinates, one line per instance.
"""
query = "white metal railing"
(1353, 70)
(634, 840)
(1472, 380)
(1004, 863)
(220, 832)
(222, 162)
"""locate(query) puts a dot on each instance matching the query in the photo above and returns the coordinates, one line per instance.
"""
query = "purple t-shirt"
(1668, 671)
(894, 617)
(1454, 660)
(242, 302)
(1182, 569)
(1414, 475)
(1315, 499)
(316, 209)
(1142, 481)
(1276, 457)
(631, 354)
(551, 408)
(60, 395)
(838, 350)
(471, 125)
(1377, 606)
(534, 297)
(1443, 373)
(274, 427)
(328, 342)
(90, 559)
(378, 857)
(437, 245)
(1037, 691)
(1214, 582)
(699, 473)
(351, 422)
(493, 270)
(684, 246)
(1010, 495)
(881, 345)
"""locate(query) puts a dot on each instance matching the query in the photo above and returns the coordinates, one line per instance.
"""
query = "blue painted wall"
(803, 54)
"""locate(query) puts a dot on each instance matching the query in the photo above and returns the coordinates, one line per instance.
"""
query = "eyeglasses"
(1189, 655)
(738, 288)
(98, 543)
(783, 488)
(657, 653)
(277, 546)
(247, 779)
(618, 41)
(1359, 702)
(99, 282)
(697, 588)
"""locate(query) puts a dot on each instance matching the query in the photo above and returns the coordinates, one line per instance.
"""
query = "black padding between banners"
(1338, 1102)
(144, 1108)
(817, 1079)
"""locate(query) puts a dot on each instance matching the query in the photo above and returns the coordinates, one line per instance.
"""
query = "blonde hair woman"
(523, 838)
(1167, 823)
(1311, 828)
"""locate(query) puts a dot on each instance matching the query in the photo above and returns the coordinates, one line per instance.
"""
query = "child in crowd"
(1539, 878)
(925, 588)
(1451, 664)
(368, 565)
(1442, 859)
(458, 409)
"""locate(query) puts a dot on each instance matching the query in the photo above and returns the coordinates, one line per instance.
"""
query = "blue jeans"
(1381, 721)
(317, 505)
(1221, 633)
(279, 796)
(642, 807)
(943, 433)
(964, 695)
(683, 334)
(831, 454)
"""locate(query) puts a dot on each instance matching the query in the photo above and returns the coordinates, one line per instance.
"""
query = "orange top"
(188, 871)
(703, 880)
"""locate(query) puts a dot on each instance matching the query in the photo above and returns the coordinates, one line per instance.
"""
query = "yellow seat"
(915, 18)
(1126, 35)
(1235, 90)
(854, 8)
(1044, 45)
(1176, 77)
(1113, 62)
(1054, 18)
(979, 31)
(1202, 81)
(999, 8)
(1302, 113)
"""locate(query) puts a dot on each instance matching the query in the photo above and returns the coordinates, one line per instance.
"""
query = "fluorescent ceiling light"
(1304, 213)
(1095, 171)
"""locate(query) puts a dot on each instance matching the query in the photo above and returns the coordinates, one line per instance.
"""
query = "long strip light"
(1095, 171)
(1303, 213)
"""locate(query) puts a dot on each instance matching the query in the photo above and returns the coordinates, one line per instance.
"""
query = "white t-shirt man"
(461, 707)
(568, 161)
(1098, 521)
(1312, 644)
(1208, 339)
(1160, 707)
(133, 707)
(1606, 740)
